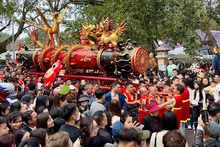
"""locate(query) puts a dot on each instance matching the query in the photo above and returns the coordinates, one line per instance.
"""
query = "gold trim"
(184, 101)
(33, 57)
(57, 52)
(98, 60)
(41, 57)
(68, 56)
(132, 61)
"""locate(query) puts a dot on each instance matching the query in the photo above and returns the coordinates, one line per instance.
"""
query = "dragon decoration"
(99, 49)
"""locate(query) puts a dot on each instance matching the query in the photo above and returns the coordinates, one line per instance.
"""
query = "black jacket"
(152, 124)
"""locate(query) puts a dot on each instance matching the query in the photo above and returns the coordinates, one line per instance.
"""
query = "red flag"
(19, 47)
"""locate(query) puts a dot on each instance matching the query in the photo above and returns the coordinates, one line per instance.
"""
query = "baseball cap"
(64, 90)
(152, 107)
(72, 87)
(116, 128)
(145, 134)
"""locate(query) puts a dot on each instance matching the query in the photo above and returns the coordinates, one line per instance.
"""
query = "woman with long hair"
(169, 122)
(88, 128)
(45, 121)
(115, 109)
(59, 100)
(198, 102)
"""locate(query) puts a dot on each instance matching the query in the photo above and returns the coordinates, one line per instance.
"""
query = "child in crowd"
(211, 89)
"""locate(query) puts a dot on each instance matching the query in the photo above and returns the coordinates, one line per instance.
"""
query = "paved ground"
(190, 137)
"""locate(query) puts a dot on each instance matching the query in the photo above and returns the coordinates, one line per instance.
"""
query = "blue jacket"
(216, 62)
(122, 101)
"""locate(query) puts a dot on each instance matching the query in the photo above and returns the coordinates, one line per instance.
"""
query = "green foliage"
(152, 20)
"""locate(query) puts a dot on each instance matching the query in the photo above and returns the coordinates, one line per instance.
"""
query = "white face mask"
(78, 117)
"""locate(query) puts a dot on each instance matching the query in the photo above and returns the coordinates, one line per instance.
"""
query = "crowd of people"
(152, 110)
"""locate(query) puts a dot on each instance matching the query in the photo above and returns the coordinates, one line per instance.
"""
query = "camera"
(205, 116)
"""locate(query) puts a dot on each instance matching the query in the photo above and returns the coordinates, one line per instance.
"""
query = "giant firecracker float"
(98, 56)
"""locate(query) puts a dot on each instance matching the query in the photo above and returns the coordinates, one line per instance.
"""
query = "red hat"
(152, 107)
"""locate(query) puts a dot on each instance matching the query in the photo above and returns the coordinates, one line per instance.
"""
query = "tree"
(24, 9)
(151, 20)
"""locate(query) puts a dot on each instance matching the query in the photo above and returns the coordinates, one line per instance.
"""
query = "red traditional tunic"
(142, 112)
(177, 107)
(151, 99)
(161, 101)
(129, 97)
(185, 106)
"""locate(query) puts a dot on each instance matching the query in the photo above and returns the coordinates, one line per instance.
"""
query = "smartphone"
(205, 116)
(134, 119)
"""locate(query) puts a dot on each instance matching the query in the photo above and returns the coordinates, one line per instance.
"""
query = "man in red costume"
(185, 107)
(153, 98)
(130, 96)
(142, 108)
(177, 101)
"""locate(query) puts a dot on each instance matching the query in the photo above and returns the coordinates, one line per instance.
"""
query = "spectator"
(14, 121)
(115, 109)
(88, 92)
(3, 127)
(151, 122)
(88, 128)
(41, 100)
(16, 106)
(21, 135)
(174, 139)
(4, 110)
(152, 62)
(99, 103)
(29, 99)
(60, 139)
(198, 102)
(58, 122)
(217, 89)
(129, 137)
(126, 119)
(41, 134)
(170, 68)
(115, 94)
(169, 122)
(30, 142)
(30, 120)
(70, 115)
(45, 121)
(7, 140)
(145, 134)
(116, 128)
(101, 120)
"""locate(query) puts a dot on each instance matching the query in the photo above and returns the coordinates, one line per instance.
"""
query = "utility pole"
(13, 38)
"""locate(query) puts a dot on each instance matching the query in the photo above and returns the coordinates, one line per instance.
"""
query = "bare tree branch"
(8, 24)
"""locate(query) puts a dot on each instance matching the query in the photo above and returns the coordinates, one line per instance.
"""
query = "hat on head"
(145, 134)
(83, 98)
(152, 107)
(98, 141)
(116, 128)
(64, 90)
(72, 87)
